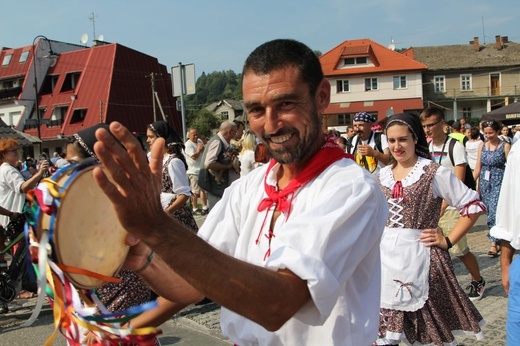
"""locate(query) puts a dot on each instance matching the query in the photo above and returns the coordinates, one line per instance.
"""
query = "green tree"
(212, 87)
(205, 121)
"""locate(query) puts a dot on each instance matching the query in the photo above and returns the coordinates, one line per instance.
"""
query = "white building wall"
(385, 88)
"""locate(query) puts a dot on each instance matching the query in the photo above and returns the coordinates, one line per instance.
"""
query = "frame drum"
(86, 231)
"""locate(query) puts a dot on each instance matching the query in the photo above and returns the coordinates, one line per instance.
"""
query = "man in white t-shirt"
(194, 147)
(370, 148)
(433, 123)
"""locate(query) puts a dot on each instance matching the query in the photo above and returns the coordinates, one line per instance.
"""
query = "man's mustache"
(278, 133)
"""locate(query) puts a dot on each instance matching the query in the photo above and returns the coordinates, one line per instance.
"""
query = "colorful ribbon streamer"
(75, 312)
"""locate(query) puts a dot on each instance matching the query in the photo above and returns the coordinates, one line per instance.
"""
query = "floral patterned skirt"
(185, 216)
(448, 310)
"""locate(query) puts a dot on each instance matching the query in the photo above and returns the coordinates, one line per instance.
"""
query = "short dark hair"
(276, 54)
(431, 111)
(475, 133)
(343, 140)
(456, 126)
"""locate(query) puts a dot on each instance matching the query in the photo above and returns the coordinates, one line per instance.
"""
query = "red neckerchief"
(327, 155)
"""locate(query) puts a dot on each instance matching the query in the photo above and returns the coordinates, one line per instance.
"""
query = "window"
(343, 86)
(58, 114)
(400, 82)
(8, 84)
(49, 84)
(371, 84)
(70, 82)
(23, 56)
(362, 60)
(465, 82)
(7, 60)
(32, 122)
(438, 84)
(224, 115)
(466, 112)
(78, 116)
(344, 119)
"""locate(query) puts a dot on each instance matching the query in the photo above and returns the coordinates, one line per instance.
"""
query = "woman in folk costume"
(176, 190)
(421, 301)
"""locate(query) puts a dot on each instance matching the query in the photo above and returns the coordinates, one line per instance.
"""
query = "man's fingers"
(131, 144)
(106, 186)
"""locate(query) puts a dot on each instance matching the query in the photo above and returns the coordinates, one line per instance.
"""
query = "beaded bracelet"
(148, 261)
(448, 242)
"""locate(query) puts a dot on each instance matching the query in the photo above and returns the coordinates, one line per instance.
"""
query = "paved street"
(199, 325)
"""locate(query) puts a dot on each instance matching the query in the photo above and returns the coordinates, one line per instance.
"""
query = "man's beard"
(304, 148)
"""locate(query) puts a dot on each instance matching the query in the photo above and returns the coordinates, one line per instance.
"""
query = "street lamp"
(50, 55)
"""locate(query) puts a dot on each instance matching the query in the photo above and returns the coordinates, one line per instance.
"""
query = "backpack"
(469, 181)
(377, 141)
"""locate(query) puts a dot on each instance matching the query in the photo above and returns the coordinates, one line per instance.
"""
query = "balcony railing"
(510, 90)
(10, 93)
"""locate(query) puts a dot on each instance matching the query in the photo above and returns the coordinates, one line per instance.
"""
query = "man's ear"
(323, 95)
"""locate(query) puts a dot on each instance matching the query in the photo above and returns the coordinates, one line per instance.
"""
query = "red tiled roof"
(114, 84)
(375, 107)
(385, 59)
(356, 50)
(15, 68)
(409, 53)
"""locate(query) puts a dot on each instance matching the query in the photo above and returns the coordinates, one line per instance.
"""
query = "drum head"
(87, 233)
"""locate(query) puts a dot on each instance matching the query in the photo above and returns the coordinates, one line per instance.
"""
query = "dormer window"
(23, 56)
(7, 60)
(70, 82)
(360, 60)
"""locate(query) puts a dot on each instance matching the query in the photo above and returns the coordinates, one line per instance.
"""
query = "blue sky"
(218, 35)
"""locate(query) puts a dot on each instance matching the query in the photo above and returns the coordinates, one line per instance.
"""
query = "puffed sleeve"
(447, 186)
(177, 172)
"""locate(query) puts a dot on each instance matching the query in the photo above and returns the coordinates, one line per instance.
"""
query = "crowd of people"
(287, 265)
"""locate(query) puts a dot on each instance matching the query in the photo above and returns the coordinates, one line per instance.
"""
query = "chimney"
(505, 39)
(498, 42)
(475, 43)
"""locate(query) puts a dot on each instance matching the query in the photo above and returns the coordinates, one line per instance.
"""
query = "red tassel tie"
(398, 191)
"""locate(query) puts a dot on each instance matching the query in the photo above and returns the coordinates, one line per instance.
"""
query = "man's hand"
(138, 254)
(365, 150)
(132, 185)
